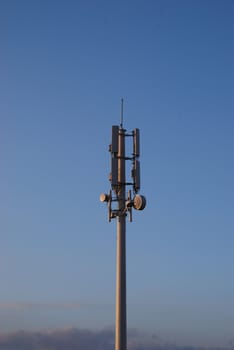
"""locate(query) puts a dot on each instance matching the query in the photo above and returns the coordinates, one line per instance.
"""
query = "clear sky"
(64, 66)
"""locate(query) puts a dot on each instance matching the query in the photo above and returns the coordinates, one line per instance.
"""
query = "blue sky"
(64, 67)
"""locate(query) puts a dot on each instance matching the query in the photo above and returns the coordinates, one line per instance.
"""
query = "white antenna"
(124, 207)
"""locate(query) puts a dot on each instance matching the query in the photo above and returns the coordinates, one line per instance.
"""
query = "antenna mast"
(123, 206)
(121, 117)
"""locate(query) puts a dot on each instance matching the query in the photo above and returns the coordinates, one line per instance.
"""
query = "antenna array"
(118, 133)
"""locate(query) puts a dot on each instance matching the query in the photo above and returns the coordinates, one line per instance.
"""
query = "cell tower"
(123, 203)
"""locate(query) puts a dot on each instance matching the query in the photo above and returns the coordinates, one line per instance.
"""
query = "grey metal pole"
(121, 319)
(125, 203)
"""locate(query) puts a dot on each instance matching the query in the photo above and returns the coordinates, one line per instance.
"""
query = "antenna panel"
(115, 139)
(114, 172)
(136, 176)
(136, 142)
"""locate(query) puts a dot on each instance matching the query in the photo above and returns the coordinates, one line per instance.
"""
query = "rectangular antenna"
(136, 142)
(115, 139)
(136, 175)
(114, 172)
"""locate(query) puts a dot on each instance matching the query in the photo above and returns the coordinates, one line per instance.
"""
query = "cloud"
(78, 339)
(72, 339)
(29, 306)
